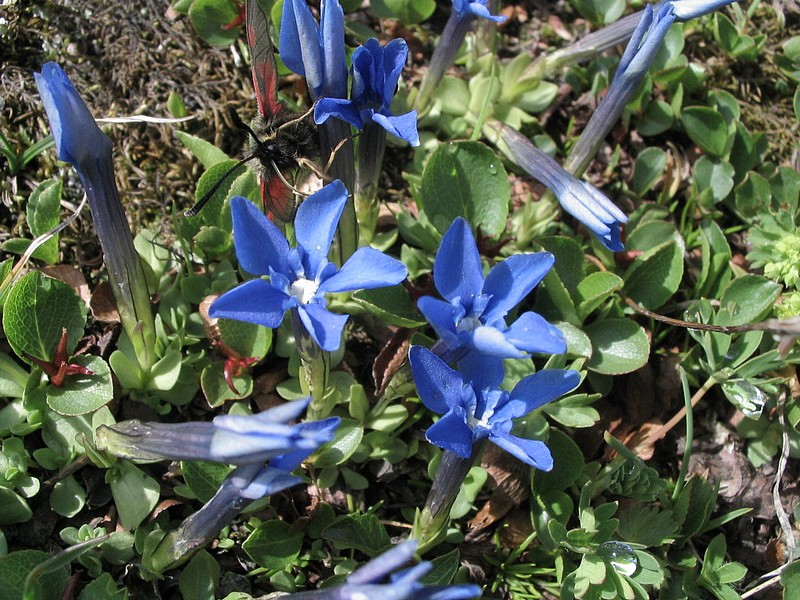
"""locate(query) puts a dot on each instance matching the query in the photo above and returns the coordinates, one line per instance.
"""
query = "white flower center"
(468, 324)
(474, 421)
(304, 290)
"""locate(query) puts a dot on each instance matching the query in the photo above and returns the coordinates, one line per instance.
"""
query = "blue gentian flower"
(299, 277)
(376, 70)
(472, 314)
(80, 142)
(316, 52)
(579, 198)
(369, 581)
(241, 487)
(230, 439)
(475, 409)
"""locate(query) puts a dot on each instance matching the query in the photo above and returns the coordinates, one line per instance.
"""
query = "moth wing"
(279, 200)
(262, 55)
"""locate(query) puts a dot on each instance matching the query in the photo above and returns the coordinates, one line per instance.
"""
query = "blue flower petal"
(300, 44)
(283, 413)
(268, 482)
(402, 126)
(451, 432)
(379, 568)
(532, 452)
(324, 326)
(457, 269)
(438, 386)
(340, 108)
(482, 371)
(509, 281)
(494, 342)
(443, 317)
(79, 141)
(537, 390)
(395, 54)
(532, 333)
(315, 224)
(331, 41)
(255, 301)
(368, 268)
(260, 245)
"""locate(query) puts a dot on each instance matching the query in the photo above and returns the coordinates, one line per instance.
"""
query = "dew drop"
(620, 556)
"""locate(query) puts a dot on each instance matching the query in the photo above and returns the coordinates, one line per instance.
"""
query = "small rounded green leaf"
(466, 179)
(83, 394)
(274, 544)
(68, 497)
(36, 310)
(345, 442)
(210, 18)
(620, 346)
(707, 128)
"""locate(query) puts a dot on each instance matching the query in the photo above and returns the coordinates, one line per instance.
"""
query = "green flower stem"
(315, 365)
(371, 147)
(338, 156)
(431, 523)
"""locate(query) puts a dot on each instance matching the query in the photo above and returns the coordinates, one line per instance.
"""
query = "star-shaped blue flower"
(299, 277)
(477, 409)
(472, 314)
(376, 70)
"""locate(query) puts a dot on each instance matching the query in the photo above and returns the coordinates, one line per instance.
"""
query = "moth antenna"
(239, 124)
(300, 118)
(198, 206)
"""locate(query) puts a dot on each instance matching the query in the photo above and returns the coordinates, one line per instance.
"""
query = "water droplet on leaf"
(620, 556)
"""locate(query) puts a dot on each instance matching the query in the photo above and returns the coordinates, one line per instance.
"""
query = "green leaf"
(135, 493)
(465, 179)
(207, 153)
(82, 394)
(713, 179)
(44, 213)
(647, 169)
(620, 346)
(68, 497)
(215, 388)
(392, 305)
(13, 378)
(346, 440)
(444, 569)
(361, 532)
(658, 118)
(747, 299)
(715, 271)
(655, 275)
(176, 106)
(103, 588)
(646, 525)
(248, 339)
(574, 410)
(567, 468)
(204, 478)
(790, 580)
(13, 509)
(14, 569)
(570, 260)
(164, 374)
(209, 18)
(707, 128)
(200, 578)
(408, 12)
(36, 310)
(594, 290)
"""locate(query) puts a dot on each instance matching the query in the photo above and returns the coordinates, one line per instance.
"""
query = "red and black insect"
(280, 141)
